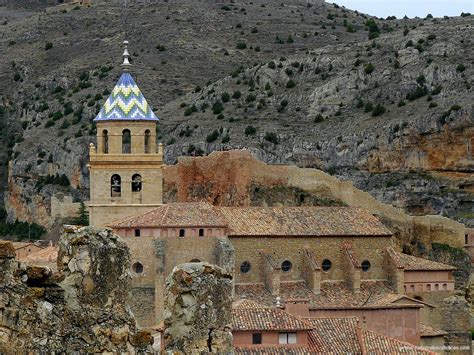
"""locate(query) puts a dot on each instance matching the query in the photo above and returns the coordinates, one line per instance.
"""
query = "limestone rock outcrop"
(81, 308)
(198, 306)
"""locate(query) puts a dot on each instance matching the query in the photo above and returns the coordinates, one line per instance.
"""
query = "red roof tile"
(413, 263)
(265, 318)
(302, 221)
(333, 295)
(186, 214)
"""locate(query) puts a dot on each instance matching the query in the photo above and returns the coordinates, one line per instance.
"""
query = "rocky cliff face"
(198, 305)
(307, 87)
(82, 308)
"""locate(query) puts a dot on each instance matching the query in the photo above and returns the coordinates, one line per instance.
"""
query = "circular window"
(365, 265)
(137, 268)
(245, 267)
(326, 265)
(286, 266)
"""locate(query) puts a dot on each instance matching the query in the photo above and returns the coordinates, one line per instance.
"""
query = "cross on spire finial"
(126, 63)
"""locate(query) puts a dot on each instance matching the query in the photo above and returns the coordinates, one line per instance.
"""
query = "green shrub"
(212, 137)
(290, 84)
(290, 39)
(460, 68)
(271, 137)
(225, 97)
(171, 141)
(241, 45)
(378, 110)
(369, 68)
(271, 65)
(418, 92)
(250, 130)
(226, 139)
(421, 79)
(48, 46)
(409, 44)
(368, 107)
(319, 118)
(57, 115)
(236, 94)
(217, 107)
(250, 97)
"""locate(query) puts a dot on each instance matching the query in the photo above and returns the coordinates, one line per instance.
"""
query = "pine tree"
(83, 215)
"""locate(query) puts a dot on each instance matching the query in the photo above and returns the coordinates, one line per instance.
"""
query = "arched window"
(126, 141)
(326, 265)
(115, 186)
(201, 232)
(136, 183)
(137, 268)
(105, 141)
(436, 287)
(445, 287)
(286, 266)
(195, 261)
(181, 233)
(245, 267)
(147, 141)
(365, 265)
(428, 287)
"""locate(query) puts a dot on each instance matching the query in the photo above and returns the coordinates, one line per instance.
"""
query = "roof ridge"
(165, 214)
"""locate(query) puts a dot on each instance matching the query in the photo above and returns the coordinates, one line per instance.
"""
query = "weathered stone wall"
(198, 307)
(82, 308)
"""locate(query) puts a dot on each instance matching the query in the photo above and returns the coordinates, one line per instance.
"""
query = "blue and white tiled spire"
(126, 102)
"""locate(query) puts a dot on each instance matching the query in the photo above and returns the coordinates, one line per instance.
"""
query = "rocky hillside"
(384, 103)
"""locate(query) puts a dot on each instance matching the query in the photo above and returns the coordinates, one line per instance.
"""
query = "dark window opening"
(201, 232)
(195, 261)
(326, 265)
(257, 338)
(137, 268)
(137, 232)
(105, 141)
(419, 298)
(126, 141)
(245, 267)
(286, 266)
(181, 233)
(466, 239)
(365, 265)
(115, 186)
(147, 141)
(136, 183)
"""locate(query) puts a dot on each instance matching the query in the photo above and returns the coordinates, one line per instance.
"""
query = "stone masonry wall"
(82, 308)
(198, 307)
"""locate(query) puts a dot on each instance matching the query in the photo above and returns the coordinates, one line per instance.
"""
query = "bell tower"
(126, 166)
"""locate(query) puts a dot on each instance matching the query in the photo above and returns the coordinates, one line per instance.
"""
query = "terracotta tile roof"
(302, 221)
(280, 350)
(414, 263)
(347, 246)
(333, 295)
(427, 331)
(266, 318)
(180, 214)
(245, 304)
(311, 259)
(333, 335)
(380, 344)
(343, 336)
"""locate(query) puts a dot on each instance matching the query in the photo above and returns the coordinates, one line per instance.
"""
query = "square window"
(287, 338)
(257, 338)
(137, 232)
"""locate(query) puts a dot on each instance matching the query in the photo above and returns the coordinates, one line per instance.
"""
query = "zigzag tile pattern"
(126, 102)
